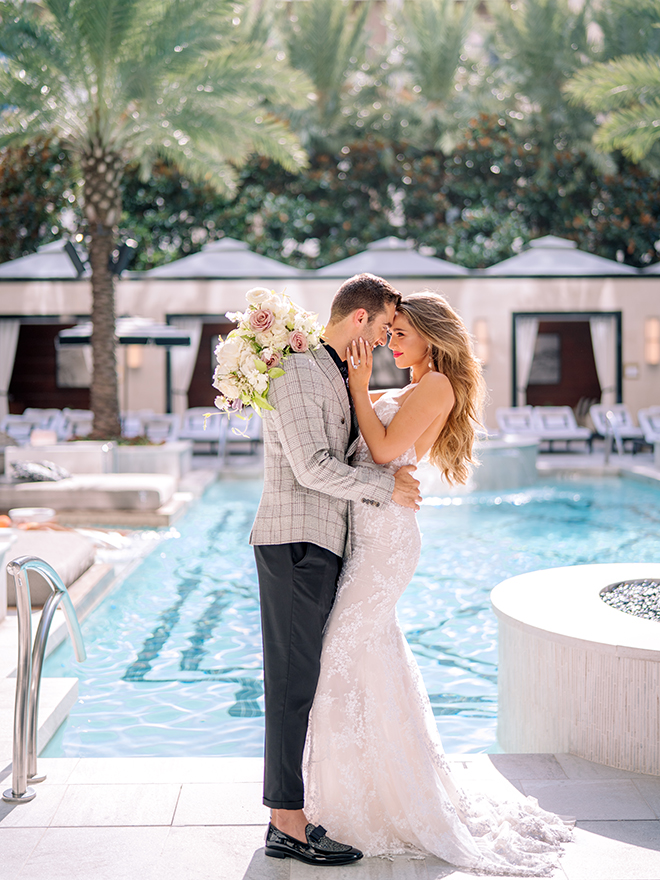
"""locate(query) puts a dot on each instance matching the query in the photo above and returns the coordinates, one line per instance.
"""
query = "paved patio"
(202, 819)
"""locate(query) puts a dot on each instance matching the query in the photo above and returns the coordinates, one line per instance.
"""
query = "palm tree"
(326, 39)
(120, 81)
(539, 45)
(433, 34)
(625, 88)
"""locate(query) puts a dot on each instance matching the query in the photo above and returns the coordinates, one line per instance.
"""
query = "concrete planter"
(77, 457)
(170, 458)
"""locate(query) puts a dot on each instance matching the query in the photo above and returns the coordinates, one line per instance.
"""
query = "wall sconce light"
(134, 357)
(481, 340)
(652, 341)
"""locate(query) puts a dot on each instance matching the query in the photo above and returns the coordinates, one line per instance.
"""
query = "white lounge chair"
(197, 427)
(48, 419)
(19, 427)
(515, 419)
(245, 430)
(649, 420)
(557, 423)
(131, 422)
(161, 427)
(77, 423)
(620, 422)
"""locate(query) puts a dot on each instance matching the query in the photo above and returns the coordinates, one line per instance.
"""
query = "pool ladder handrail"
(28, 671)
(612, 436)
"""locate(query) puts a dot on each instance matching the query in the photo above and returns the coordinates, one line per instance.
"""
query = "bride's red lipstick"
(397, 353)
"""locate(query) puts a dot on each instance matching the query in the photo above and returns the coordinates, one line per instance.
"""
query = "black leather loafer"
(319, 849)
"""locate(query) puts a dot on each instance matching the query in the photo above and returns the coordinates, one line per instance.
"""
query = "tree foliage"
(627, 89)
(135, 80)
(538, 45)
(396, 143)
(328, 42)
(36, 183)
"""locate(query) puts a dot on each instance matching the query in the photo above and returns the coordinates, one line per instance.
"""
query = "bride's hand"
(359, 360)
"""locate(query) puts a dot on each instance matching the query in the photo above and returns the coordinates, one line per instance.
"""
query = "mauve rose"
(298, 341)
(261, 319)
(273, 360)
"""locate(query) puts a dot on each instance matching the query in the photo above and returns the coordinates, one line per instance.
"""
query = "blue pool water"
(174, 654)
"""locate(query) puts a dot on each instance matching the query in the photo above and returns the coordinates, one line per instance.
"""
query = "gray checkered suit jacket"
(307, 481)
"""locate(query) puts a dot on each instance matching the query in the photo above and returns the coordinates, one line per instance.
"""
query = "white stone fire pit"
(576, 675)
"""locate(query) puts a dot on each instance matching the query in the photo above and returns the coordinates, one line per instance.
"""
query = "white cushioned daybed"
(92, 492)
(69, 553)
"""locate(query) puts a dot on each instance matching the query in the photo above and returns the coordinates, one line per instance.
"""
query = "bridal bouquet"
(268, 331)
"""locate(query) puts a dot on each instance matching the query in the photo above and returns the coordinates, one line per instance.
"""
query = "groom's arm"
(299, 420)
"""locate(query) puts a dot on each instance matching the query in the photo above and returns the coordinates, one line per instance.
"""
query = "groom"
(301, 535)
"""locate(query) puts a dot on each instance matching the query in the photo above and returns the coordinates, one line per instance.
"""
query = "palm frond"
(617, 83)
(327, 41)
(135, 77)
(436, 31)
(632, 130)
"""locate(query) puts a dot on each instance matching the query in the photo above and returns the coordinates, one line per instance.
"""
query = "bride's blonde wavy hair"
(450, 351)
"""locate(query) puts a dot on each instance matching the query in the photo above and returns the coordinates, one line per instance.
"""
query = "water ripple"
(174, 654)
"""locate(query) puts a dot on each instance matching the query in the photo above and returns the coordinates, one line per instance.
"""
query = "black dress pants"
(297, 584)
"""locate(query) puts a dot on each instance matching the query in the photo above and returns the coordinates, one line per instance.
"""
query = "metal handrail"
(28, 671)
(612, 435)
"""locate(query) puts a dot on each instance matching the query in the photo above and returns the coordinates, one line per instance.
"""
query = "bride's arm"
(432, 399)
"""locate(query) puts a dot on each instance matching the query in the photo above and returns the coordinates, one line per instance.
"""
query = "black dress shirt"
(342, 366)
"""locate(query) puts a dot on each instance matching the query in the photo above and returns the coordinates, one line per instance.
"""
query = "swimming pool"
(174, 653)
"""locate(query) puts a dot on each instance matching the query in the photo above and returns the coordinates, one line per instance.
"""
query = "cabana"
(391, 257)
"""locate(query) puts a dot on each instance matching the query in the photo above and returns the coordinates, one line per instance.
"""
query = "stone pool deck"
(202, 819)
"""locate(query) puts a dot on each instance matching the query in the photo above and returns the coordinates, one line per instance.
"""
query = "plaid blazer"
(307, 481)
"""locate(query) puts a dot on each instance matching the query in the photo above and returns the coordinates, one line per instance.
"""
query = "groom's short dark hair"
(363, 291)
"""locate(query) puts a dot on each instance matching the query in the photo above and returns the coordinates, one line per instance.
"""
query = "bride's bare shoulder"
(431, 387)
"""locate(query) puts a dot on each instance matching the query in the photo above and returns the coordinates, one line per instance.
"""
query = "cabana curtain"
(603, 340)
(526, 332)
(9, 329)
(182, 362)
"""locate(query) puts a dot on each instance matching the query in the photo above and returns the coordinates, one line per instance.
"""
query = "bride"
(374, 766)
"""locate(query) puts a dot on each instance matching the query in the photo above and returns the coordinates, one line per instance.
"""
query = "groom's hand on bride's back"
(406, 488)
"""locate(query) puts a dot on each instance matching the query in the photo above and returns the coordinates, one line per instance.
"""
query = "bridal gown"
(375, 773)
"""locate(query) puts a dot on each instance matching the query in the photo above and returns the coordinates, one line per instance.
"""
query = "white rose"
(277, 337)
(257, 296)
(281, 308)
(261, 383)
(227, 352)
(229, 387)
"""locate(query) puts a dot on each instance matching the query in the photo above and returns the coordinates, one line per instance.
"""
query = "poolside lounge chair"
(77, 423)
(161, 427)
(649, 420)
(70, 554)
(197, 427)
(557, 423)
(19, 427)
(620, 420)
(244, 431)
(515, 419)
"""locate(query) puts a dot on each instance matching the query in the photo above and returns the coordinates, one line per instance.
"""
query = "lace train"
(375, 773)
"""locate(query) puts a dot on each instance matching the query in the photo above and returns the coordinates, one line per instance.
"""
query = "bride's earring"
(430, 358)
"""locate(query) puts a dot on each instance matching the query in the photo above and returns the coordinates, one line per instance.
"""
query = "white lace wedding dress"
(375, 773)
